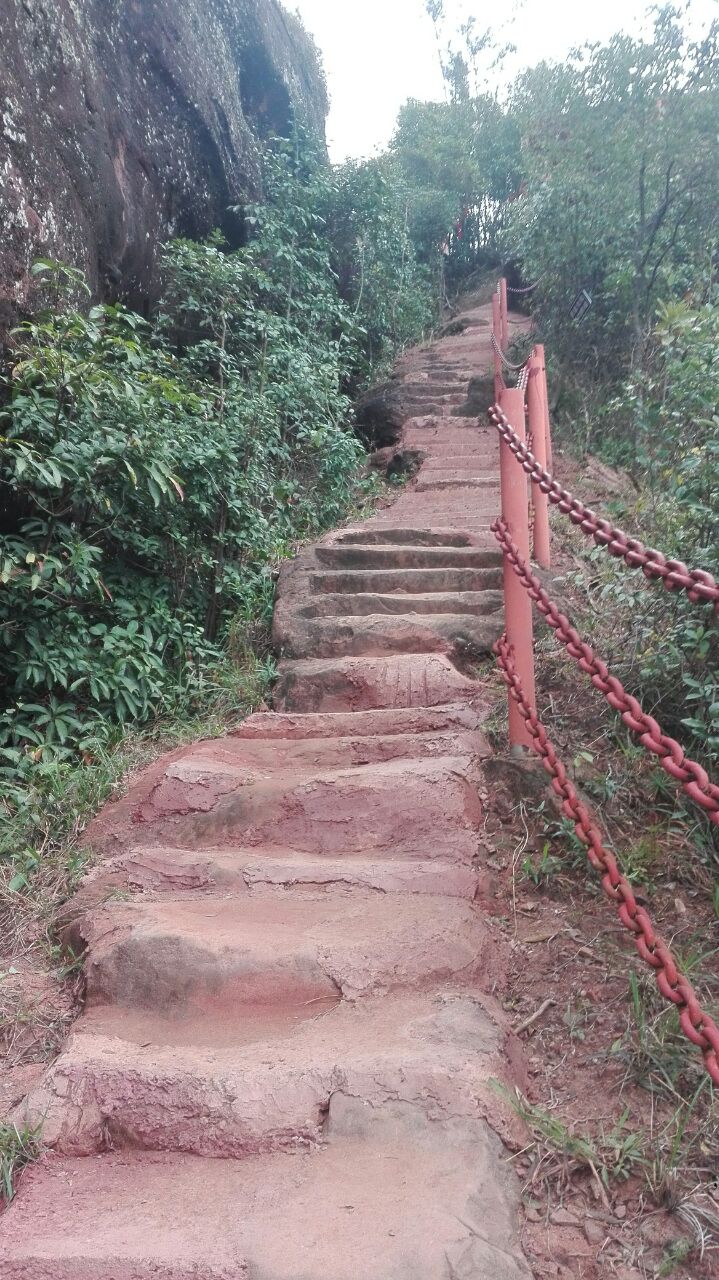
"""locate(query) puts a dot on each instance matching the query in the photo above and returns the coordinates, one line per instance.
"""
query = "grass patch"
(18, 1148)
(613, 1155)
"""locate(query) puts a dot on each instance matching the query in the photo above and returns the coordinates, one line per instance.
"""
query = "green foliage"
(151, 474)
(540, 870)
(18, 1148)
(459, 162)
(621, 161)
(459, 159)
(613, 1155)
(376, 264)
(670, 655)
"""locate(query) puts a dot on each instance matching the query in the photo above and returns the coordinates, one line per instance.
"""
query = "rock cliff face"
(125, 122)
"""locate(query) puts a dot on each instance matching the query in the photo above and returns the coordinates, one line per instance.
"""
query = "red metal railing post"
(547, 420)
(504, 336)
(497, 331)
(537, 416)
(517, 604)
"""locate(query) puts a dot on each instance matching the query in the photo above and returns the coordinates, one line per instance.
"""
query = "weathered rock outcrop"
(124, 122)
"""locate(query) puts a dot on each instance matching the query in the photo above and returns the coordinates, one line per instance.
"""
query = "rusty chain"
(696, 1025)
(527, 288)
(693, 778)
(513, 368)
(700, 586)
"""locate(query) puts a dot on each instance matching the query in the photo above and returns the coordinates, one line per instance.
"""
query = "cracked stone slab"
(438, 1194)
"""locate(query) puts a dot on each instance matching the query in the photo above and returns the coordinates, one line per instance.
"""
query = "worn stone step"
(389, 1195)
(364, 684)
(478, 524)
(361, 724)
(233, 1088)
(248, 758)
(376, 634)
(176, 955)
(436, 387)
(369, 536)
(411, 582)
(466, 468)
(194, 779)
(365, 603)
(469, 509)
(326, 803)
(160, 869)
(456, 480)
(469, 458)
(397, 557)
(333, 811)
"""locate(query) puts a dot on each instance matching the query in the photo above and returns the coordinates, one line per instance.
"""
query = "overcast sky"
(378, 53)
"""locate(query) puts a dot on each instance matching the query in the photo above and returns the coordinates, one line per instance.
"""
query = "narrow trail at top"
(284, 1065)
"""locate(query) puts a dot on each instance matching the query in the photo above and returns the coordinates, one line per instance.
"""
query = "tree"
(621, 155)
(461, 165)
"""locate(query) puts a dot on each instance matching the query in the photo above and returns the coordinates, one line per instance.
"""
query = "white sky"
(378, 53)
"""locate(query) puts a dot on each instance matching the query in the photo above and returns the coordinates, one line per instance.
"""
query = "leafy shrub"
(152, 473)
(375, 259)
(675, 644)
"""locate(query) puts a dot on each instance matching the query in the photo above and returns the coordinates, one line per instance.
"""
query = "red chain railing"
(515, 651)
(694, 780)
(700, 586)
(696, 1024)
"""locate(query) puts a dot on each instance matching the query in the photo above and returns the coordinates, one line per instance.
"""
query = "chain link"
(700, 586)
(693, 778)
(696, 1025)
(527, 289)
(513, 368)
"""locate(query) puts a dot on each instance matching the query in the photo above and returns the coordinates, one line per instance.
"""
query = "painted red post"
(505, 314)
(517, 604)
(497, 330)
(536, 412)
(547, 419)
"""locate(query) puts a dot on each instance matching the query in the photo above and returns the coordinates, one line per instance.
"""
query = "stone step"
(163, 869)
(365, 603)
(330, 812)
(374, 635)
(456, 480)
(391, 1194)
(449, 461)
(192, 780)
(245, 758)
(368, 536)
(436, 387)
(478, 524)
(360, 724)
(412, 582)
(235, 1087)
(179, 955)
(398, 557)
(365, 684)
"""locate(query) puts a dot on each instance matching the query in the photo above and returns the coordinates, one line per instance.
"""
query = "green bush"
(673, 645)
(152, 474)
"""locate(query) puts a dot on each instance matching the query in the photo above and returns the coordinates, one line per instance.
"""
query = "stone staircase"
(284, 1066)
